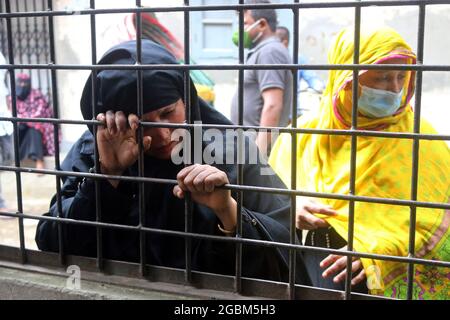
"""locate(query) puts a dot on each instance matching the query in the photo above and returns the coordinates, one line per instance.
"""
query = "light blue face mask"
(376, 103)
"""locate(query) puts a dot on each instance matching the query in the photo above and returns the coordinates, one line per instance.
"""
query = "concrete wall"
(41, 284)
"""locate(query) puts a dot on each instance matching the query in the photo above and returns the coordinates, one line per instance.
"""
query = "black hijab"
(117, 89)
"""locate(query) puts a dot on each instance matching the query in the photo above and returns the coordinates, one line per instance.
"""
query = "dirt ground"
(37, 191)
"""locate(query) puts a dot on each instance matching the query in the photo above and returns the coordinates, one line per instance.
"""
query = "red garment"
(36, 106)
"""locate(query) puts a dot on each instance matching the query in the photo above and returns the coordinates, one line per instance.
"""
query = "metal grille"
(31, 41)
(236, 283)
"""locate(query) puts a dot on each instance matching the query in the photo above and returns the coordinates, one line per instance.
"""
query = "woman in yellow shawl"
(383, 170)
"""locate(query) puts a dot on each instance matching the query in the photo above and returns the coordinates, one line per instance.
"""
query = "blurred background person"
(267, 93)
(35, 138)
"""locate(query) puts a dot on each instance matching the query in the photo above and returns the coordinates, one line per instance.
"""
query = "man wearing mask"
(35, 138)
(267, 93)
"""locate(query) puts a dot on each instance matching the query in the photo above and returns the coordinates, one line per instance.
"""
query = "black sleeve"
(78, 203)
(261, 262)
(265, 216)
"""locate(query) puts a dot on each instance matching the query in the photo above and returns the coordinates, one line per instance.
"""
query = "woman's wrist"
(105, 170)
(228, 215)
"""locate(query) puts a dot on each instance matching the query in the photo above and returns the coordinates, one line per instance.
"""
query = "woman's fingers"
(101, 117)
(111, 122)
(314, 221)
(356, 265)
(217, 178)
(189, 179)
(337, 265)
(117, 122)
(121, 121)
(195, 180)
(306, 218)
(182, 175)
(332, 258)
(133, 121)
(147, 142)
(359, 278)
(209, 178)
(178, 192)
(308, 221)
(316, 207)
(201, 178)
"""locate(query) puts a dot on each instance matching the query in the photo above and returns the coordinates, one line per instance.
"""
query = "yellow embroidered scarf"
(383, 170)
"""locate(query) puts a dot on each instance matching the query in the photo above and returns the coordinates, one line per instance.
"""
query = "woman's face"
(162, 145)
(389, 80)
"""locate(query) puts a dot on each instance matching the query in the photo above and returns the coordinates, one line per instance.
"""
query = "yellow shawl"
(383, 169)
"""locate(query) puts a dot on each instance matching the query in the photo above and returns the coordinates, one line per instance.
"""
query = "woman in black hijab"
(264, 216)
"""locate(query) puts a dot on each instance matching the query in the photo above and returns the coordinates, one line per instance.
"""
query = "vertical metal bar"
(19, 36)
(98, 206)
(16, 134)
(28, 38)
(240, 172)
(38, 52)
(142, 234)
(354, 140)
(46, 53)
(2, 33)
(416, 143)
(189, 117)
(56, 130)
(293, 233)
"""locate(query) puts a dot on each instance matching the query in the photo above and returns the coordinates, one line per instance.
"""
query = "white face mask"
(376, 103)
(252, 25)
(255, 40)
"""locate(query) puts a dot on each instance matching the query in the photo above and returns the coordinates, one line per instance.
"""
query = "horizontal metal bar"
(242, 240)
(398, 202)
(46, 263)
(337, 132)
(234, 7)
(51, 66)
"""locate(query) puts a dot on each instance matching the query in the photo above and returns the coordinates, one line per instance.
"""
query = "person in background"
(307, 79)
(383, 170)
(6, 130)
(35, 138)
(267, 93)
